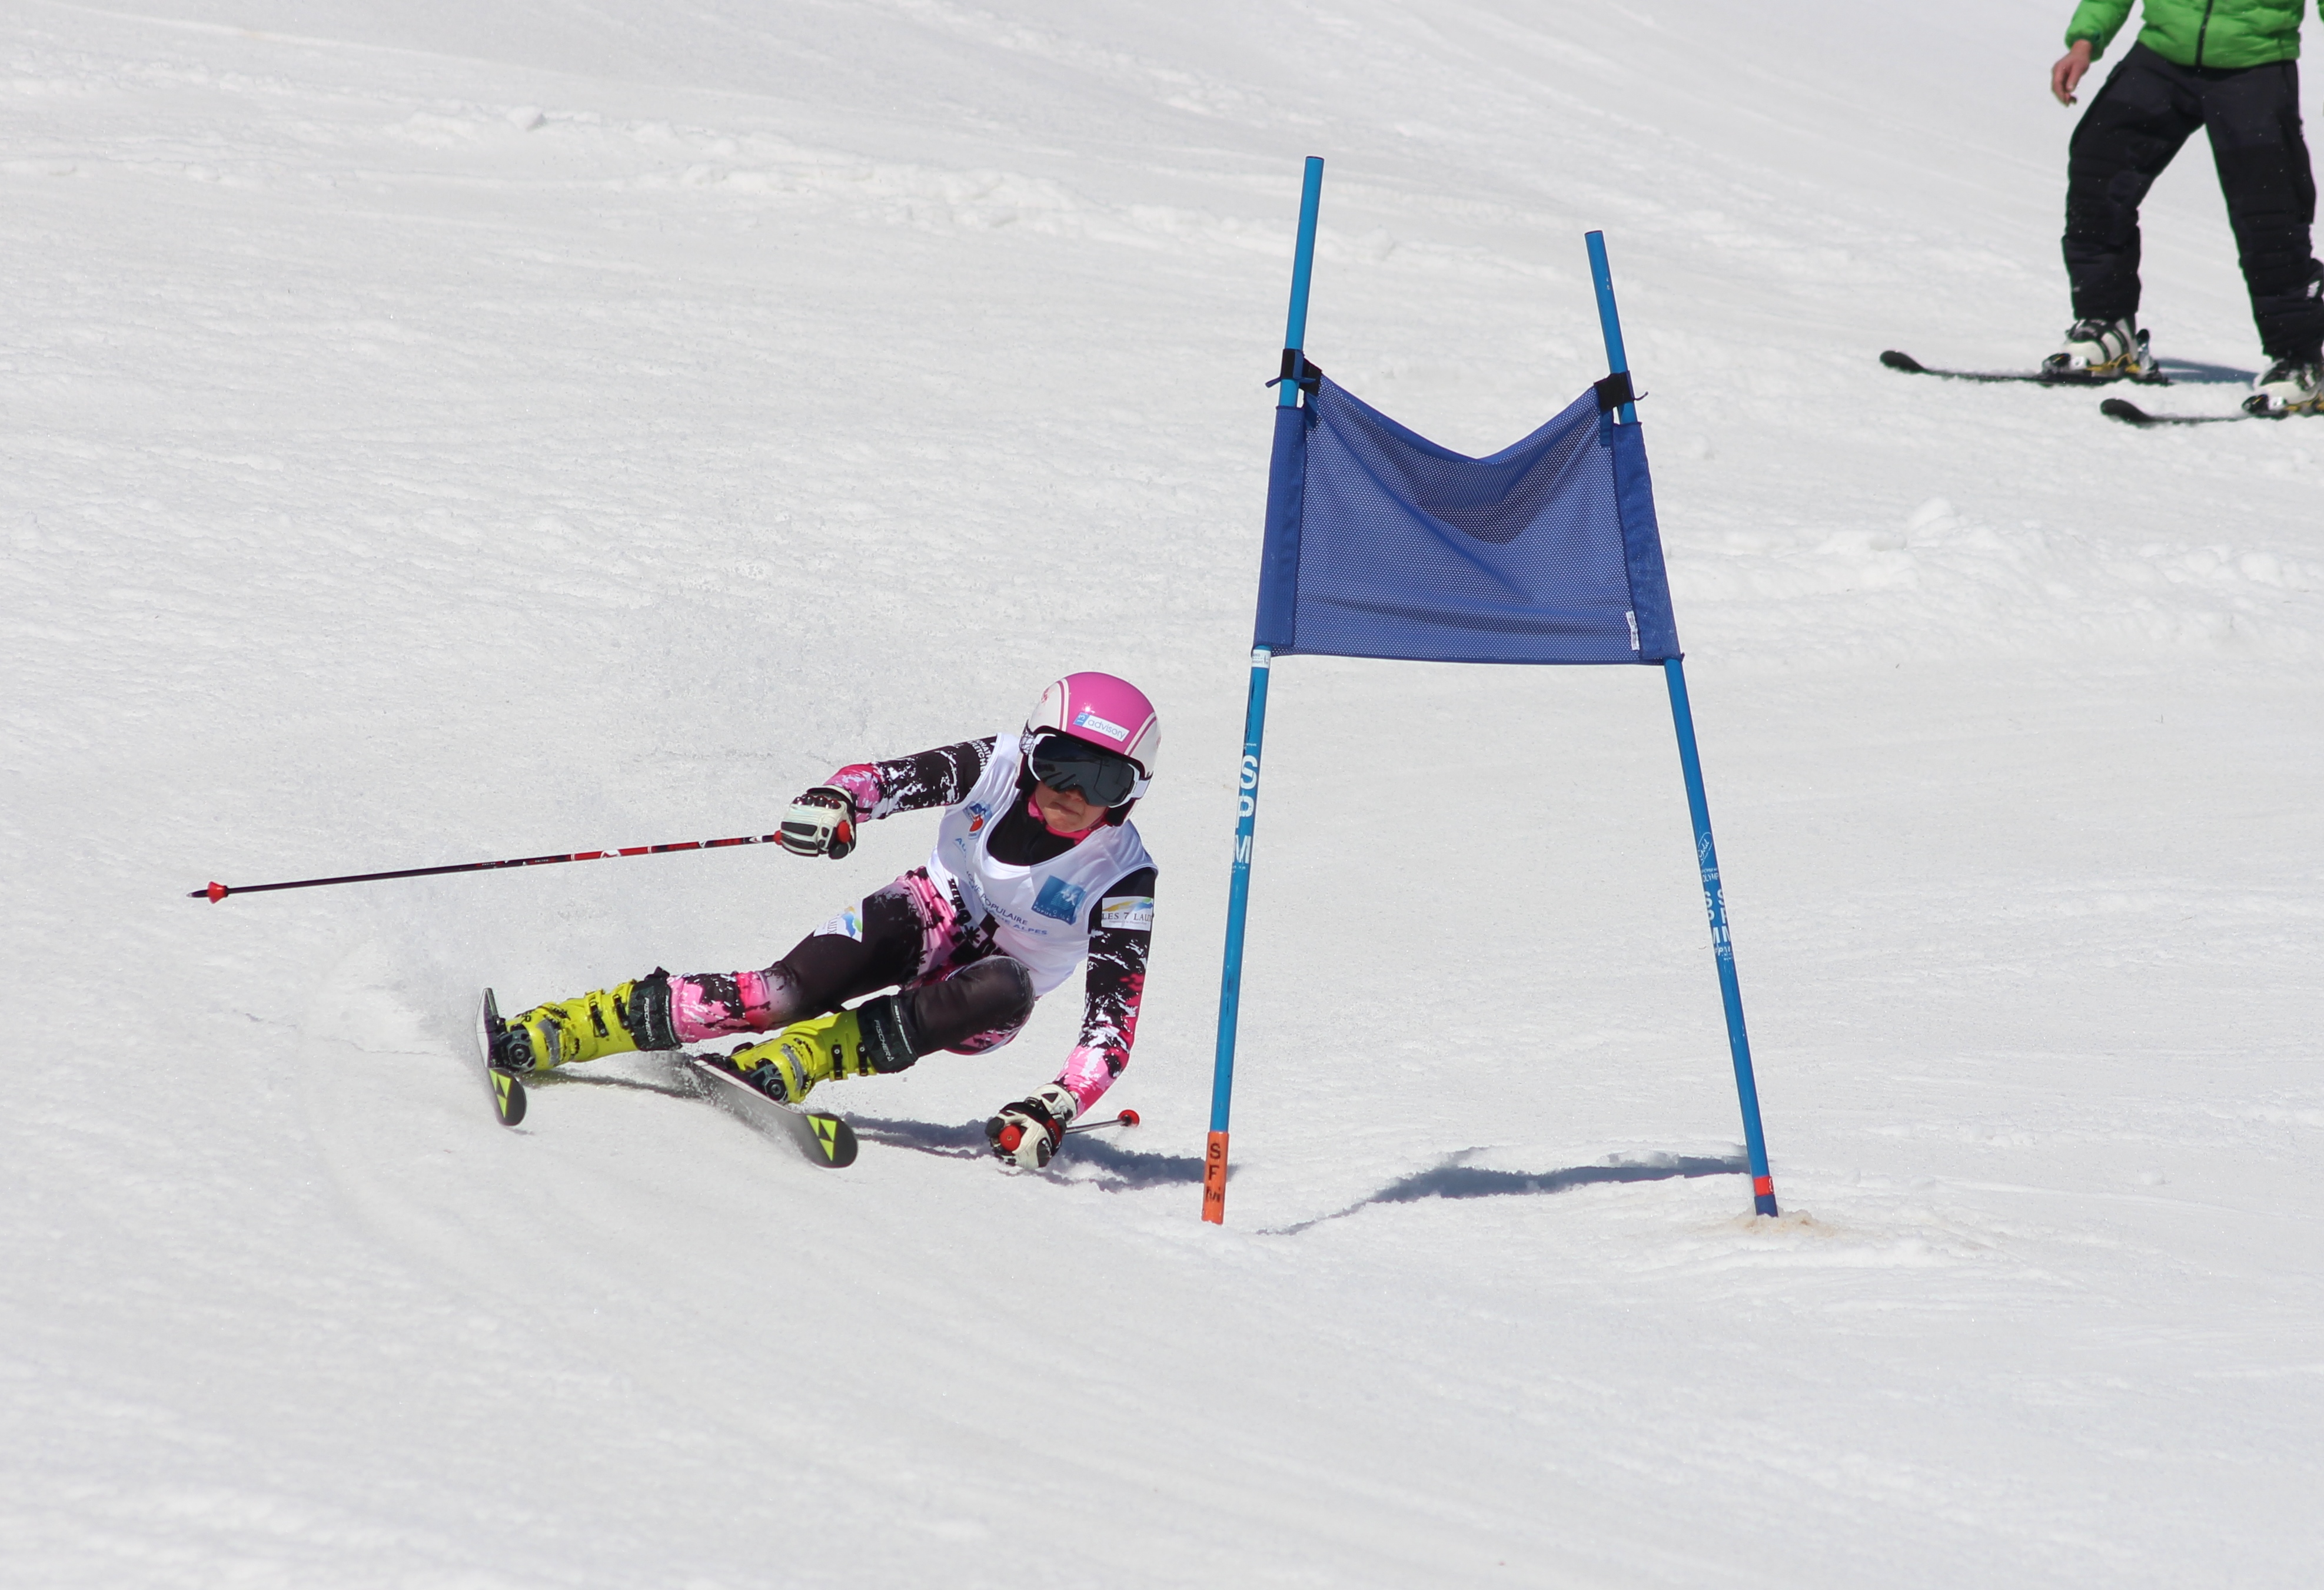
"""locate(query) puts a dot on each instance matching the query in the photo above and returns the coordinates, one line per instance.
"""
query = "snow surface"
(435, 431)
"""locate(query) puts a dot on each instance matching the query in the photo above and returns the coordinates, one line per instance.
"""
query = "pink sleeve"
(1114, 987)
(1087, 1074)
(860, 779)
(917, 782)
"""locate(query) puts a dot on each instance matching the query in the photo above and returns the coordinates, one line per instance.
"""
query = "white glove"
(821, 822)
(1027, 1133)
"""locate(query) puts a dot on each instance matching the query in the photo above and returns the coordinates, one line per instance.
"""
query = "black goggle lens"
(1066, 765)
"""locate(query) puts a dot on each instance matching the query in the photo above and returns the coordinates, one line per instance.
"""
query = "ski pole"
(1127, 1118)
(217, 892)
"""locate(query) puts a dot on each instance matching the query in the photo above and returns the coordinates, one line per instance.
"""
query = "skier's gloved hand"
(1027, 1133)
(821, 822)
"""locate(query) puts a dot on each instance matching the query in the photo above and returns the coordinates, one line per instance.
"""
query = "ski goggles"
(1068, 765)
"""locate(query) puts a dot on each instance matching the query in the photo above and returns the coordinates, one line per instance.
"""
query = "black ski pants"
(2148, 107)
(968, 1000)
(955, 992)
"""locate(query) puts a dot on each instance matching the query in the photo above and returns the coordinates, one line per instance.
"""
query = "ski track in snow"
(436, 432)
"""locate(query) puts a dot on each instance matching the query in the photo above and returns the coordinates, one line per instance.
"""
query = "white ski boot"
(2101, 350)
(2288, 387)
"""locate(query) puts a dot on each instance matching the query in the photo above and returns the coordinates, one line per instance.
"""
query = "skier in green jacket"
(2229, 67)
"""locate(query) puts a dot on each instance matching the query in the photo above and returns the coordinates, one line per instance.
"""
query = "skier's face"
(1064, 812)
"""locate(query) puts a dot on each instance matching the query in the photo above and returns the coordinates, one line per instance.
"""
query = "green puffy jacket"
(2198, 32)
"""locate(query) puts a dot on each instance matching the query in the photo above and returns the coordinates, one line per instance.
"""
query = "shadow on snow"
(1453, 1179)
(965, 1142)
(562, 1079)
(1095, 1162)
(2188, 372)
(1085, 1158)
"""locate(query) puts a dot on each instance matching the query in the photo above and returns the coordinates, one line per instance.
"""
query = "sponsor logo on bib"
(1131, 912)
(1060, 900)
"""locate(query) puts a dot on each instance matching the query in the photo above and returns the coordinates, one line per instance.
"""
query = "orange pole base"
(1214, 1181)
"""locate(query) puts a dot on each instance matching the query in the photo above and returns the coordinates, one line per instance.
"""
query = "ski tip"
(1905, 362)
(2124, 409)
(823, 1137)
(834, 1137)
(508, 1092)
(508, 1096)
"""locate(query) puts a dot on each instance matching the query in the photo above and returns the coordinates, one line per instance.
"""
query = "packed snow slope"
(432, 431)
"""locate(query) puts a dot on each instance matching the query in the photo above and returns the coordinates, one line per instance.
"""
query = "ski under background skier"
(2229, 67)
(1036, 868)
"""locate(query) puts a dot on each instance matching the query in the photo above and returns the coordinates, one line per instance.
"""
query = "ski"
(507, 1092)
(824, 1138)
(2130, 413)
(1912, 367)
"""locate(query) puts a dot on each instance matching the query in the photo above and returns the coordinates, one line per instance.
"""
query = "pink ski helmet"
(1109, 713)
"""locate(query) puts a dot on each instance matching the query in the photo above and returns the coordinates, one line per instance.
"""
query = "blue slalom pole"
(1254, 733)
(1303, 261)
(1254, 736)
(1730, 991)
(1714, 901)
(1601, 276)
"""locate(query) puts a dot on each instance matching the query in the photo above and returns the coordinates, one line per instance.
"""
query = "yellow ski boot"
(859, 1042)
(568, 1031)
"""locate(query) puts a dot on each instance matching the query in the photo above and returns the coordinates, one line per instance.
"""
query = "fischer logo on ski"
(824, 1138)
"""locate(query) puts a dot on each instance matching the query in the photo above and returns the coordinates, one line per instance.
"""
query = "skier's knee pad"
(978, 1043)
(1001, 990)
(979, 1007)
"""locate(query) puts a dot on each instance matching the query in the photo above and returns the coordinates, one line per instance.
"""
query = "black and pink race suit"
(1002, 913)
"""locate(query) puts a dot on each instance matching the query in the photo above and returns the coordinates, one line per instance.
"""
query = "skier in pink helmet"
(1037, 868)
